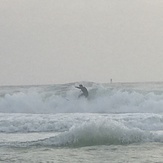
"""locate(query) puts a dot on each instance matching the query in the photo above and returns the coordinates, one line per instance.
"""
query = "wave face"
(79, 129)
(103, 98)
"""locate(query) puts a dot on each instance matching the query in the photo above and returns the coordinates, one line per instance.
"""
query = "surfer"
(84, 91)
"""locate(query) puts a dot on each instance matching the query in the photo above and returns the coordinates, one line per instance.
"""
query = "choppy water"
(118, 123)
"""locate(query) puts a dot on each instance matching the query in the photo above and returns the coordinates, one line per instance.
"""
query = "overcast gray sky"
(60, 41)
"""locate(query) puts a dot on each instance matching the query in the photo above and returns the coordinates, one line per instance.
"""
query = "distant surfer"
(84, 91)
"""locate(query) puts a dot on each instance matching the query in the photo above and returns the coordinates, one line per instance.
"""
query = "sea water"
(121, 122)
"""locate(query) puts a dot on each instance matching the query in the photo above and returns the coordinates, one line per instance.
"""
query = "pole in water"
(111, 80)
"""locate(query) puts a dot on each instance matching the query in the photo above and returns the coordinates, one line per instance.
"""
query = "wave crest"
(96, 133)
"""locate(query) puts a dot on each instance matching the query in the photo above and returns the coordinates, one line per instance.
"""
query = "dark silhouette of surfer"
(84, 91)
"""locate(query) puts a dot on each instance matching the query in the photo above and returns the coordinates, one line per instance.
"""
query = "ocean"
(118, 123)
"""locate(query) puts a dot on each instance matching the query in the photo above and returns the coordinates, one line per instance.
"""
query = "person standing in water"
(84, 91)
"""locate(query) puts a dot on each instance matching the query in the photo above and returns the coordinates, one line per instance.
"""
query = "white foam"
(81, 129)
(97, 133)
(63, 99)
(25, 123)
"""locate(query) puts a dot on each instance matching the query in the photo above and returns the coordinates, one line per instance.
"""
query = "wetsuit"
(84, 91)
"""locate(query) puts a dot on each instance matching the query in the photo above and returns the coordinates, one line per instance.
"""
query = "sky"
(62, 41)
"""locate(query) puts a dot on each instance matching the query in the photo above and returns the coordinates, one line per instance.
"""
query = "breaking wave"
(52, 115)
(95, 133)
(79, 130)
(103, 98)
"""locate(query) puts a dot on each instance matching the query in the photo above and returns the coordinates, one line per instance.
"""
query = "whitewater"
(119, 122)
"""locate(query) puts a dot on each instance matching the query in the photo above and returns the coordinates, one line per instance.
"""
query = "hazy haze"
(60, 41)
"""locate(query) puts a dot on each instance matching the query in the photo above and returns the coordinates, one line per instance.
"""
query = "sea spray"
(103, 98)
